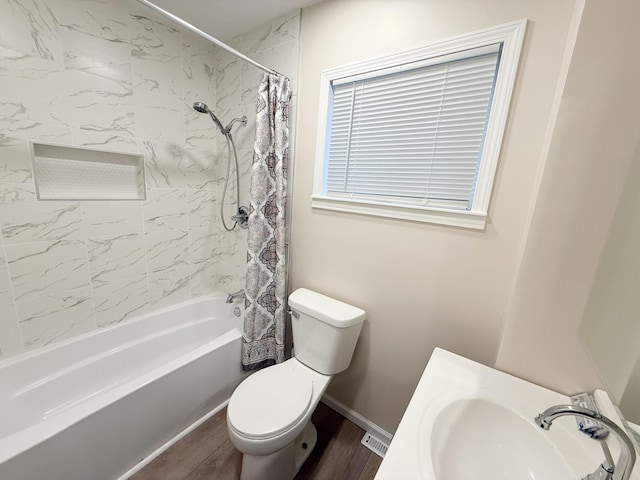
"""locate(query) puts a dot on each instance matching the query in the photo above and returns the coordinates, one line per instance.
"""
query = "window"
(417, 135)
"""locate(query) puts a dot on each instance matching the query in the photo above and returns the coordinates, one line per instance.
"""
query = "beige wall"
(591, 150)
(610, 329)
(422, 285)
(629, 403)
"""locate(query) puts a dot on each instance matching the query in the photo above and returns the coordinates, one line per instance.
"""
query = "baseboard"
(356, 418)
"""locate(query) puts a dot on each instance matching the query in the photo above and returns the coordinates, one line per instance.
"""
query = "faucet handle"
(622, 468)
(597, 432)
(586, 424)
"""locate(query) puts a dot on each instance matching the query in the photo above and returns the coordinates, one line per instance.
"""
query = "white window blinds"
(413, 134)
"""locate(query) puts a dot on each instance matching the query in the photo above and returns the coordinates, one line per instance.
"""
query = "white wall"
(422, 285)
(592, 147)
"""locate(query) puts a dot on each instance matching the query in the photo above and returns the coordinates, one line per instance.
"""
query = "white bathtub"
(92, 407)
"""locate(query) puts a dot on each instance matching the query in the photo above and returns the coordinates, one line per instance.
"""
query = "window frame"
(511, 35)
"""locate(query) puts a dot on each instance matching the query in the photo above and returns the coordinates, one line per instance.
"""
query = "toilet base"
(283, 464)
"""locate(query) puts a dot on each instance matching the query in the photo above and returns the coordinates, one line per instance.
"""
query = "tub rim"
(27, 354)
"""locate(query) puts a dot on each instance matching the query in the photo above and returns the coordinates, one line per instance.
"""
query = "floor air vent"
(374, 444)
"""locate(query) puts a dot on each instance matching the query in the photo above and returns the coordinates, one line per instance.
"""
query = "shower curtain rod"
(214, 40)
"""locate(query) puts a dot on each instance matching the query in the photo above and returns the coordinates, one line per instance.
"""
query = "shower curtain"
(265, 312)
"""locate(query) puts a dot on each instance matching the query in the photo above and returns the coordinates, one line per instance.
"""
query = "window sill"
(463, 219)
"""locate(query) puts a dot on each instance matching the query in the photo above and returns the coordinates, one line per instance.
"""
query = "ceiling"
(225, 19)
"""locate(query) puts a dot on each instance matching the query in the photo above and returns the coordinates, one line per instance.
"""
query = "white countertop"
(449, 378)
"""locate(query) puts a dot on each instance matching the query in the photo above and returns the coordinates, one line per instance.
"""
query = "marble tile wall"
(112, 75)
(274, 44)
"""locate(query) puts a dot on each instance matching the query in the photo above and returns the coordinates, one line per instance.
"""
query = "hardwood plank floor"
(208, 454)
(187, 454)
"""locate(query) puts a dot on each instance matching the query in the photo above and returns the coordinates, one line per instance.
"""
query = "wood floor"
(207, 453)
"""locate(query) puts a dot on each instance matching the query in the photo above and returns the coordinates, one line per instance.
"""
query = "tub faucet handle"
(232, 296)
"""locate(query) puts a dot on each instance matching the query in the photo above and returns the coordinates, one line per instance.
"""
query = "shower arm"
(202, 107)
(242, 120)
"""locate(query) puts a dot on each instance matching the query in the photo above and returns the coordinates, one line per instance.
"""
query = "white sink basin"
(467, 421)
(477, 438)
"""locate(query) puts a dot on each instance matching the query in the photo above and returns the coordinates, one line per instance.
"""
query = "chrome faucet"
(232, 296)
(621, 470)
(242, 217)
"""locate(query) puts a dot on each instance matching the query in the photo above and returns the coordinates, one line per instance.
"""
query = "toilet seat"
(270, 402)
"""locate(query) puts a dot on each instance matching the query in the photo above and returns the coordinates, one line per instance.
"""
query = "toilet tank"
(325, 331)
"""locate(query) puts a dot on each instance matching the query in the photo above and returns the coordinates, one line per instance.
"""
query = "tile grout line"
(13, 297)
(85, 241)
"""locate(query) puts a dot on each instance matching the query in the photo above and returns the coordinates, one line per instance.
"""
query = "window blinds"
(414, 136)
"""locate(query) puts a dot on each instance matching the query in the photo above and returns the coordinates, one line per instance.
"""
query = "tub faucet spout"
(232, 296)
(622, 468)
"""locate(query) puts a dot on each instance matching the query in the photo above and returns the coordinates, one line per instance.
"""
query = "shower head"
(201, 107)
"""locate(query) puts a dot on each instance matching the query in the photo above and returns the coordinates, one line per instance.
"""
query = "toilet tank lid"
(326, 309)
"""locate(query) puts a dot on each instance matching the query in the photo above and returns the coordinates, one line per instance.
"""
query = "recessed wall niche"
(77, 173)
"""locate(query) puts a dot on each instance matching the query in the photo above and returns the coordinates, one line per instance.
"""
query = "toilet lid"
(269, 402)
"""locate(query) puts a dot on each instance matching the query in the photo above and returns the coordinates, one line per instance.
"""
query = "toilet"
(268, 417)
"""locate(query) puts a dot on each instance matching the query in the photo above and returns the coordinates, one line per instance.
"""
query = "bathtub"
(98, 406)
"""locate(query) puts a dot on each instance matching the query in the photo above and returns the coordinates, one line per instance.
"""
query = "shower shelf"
(78, 173)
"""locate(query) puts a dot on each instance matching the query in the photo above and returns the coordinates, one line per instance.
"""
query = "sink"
(477, 438)
(466, 421)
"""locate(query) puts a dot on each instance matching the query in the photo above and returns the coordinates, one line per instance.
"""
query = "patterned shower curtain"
(265, 312)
